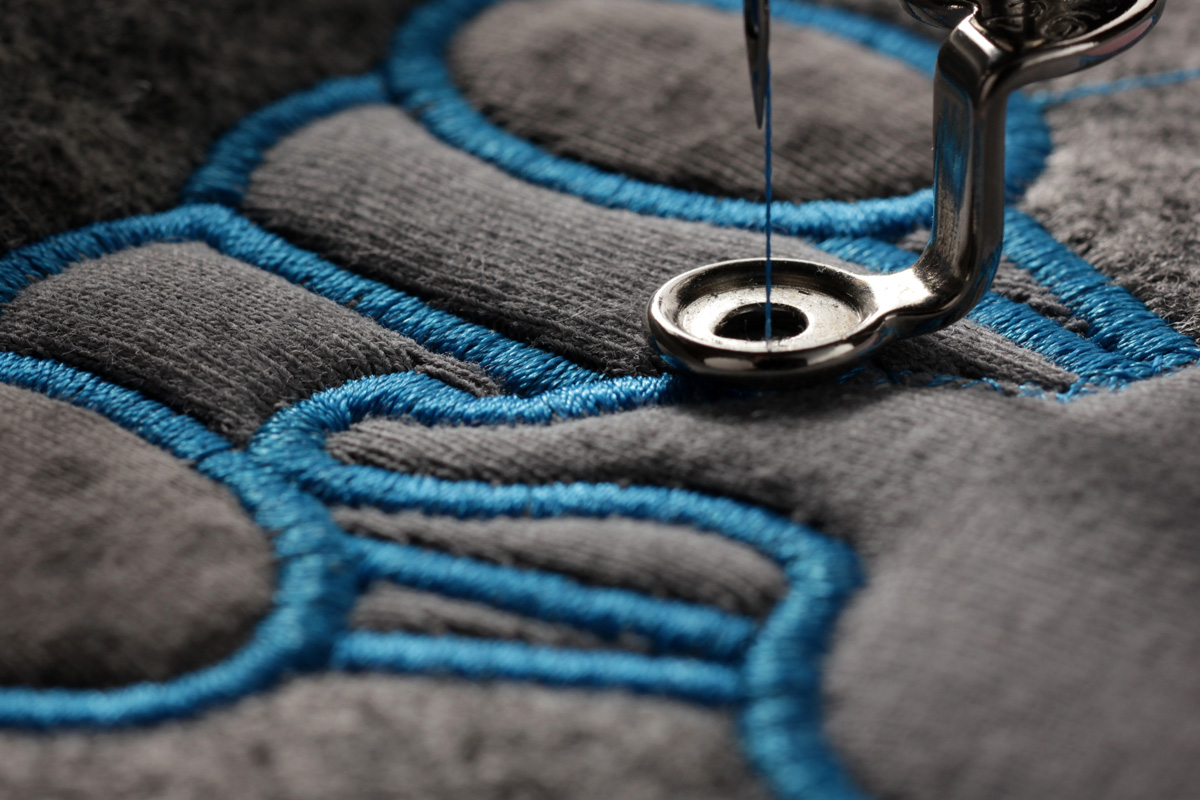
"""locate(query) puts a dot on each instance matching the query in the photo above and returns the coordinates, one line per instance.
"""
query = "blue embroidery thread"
(782, 698)
(313, 595)
(782, 719)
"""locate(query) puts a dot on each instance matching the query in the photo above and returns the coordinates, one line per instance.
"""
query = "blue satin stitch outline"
(1140, 344)
(313, 593)
(419, 79)
(781, 673)
(1128, 343)
(785, 726)
(315, 584)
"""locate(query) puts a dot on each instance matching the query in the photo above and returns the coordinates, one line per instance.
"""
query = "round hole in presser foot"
(710, 321)
(748, 322)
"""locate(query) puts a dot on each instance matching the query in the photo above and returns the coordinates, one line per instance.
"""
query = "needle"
(757, 18)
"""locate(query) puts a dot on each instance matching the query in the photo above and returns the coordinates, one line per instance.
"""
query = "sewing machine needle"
(757, 16)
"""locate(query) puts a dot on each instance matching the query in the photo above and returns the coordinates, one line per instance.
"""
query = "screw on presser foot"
(710, 320)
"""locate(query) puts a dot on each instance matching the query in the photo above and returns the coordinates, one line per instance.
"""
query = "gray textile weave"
(1026, 628)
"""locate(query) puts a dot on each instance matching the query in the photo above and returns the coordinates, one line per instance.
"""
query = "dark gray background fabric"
(377, 737)
(117, 562)
(373, 191)
(109, 107)
(654, 90)
(1027, 630)
(214, 337)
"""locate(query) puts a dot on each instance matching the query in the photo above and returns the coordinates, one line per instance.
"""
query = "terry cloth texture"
(107, 110)
(384, 737)
(119, 564)
(686, 62)
(1026, 628)
(371, 189)
(211, 336)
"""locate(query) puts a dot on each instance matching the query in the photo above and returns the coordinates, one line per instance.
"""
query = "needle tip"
(756, 15)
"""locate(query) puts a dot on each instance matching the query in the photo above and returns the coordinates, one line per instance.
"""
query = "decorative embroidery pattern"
(286, 479)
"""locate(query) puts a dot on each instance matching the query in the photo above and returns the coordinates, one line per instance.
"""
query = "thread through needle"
(767, 171)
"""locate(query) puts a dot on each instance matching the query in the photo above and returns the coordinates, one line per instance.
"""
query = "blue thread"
(225, 176)
(698, 681)
(782, 666)
(673, 625)
(1016, 322)
(1045, 99)
(314, 588)
(227, 173)
(1119, 322)
(521, 368)
(782, 723)
(417, 75)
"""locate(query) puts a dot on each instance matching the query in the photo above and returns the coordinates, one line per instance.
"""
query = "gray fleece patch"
(370, 189)
(659, 91)
(662, 560)
(208, 335)
(387, 737)
(119, 564)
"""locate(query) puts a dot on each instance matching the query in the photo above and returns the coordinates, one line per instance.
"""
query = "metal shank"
(995, 46)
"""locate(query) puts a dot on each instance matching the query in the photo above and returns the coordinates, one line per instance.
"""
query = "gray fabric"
(387, 607)
(108, 107)
(1028, 626)
(377, 737)
(659, 91)
(1139, 154)
(1026, 631)
(370, 189)
(211, 336)
(664, 560)
(118, 563)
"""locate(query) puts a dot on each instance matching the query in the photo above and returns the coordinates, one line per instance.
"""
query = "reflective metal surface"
(995, 46)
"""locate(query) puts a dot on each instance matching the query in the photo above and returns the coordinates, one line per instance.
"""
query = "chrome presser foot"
(710, 321)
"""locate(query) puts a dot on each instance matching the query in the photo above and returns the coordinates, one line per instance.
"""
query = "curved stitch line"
(688, 679)
(521, 368)
(227, 174)
(822, 572)
(1015, 321)
(673, 625)
(314, 589)
(417, 75)
(1120, 322)
(1047, 99)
